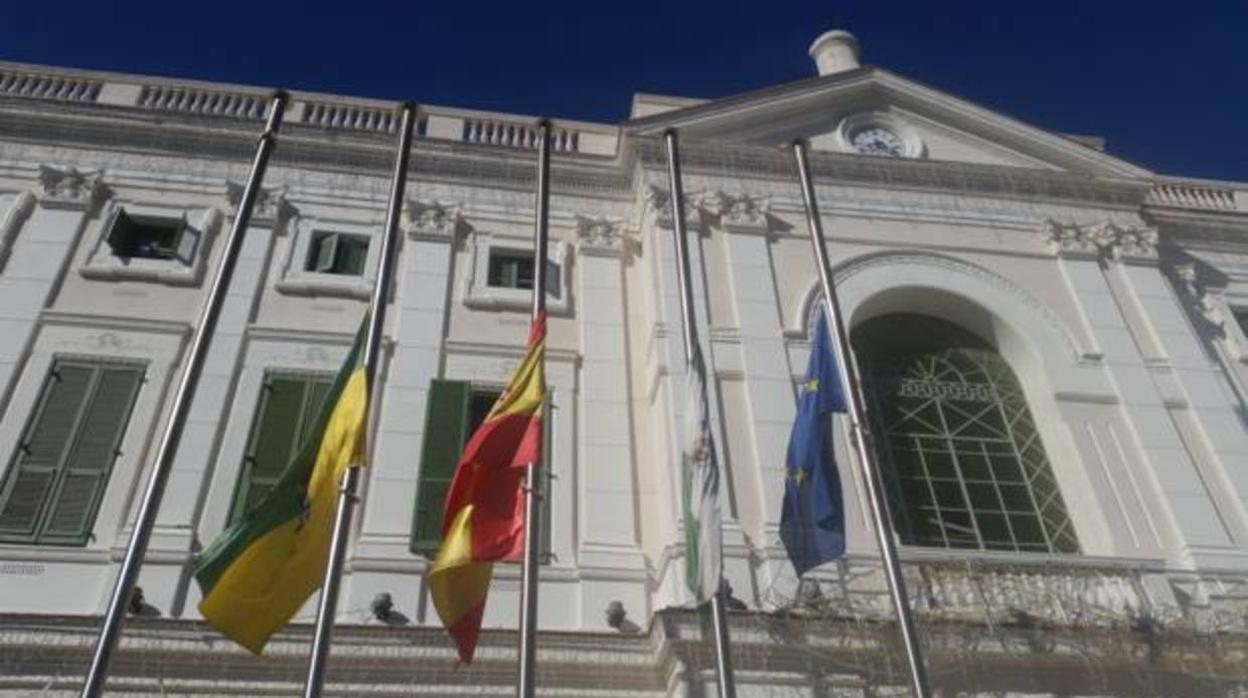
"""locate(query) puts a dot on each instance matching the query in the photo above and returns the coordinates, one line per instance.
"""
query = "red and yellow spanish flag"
(258, 573)
(484, 516)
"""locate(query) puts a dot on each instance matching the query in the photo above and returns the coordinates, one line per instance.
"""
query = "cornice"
(701, 157)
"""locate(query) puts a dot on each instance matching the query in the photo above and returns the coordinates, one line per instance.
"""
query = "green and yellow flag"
(259, 572)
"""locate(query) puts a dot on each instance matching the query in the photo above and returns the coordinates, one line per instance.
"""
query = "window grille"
(963, 461)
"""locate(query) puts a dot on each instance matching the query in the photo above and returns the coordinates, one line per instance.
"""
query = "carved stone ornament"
(599, 233)
(1106, 239)
(271, 207)
(432, 219)
(660, 201)
(1199, 295)
(69, 187)
(740, 210)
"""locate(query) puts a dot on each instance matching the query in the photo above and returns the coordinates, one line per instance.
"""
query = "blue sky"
(1165, 83)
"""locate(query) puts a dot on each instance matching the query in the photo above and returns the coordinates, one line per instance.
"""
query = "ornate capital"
(1105, 240)
(69, 187)
(432, 220)
(737, 211)
(271, 207)
(660, 201)
(599, 234)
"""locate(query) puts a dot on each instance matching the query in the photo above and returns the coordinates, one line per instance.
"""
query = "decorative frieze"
(271, 208)
(432, 220)
(70, 188)
(1105, 240)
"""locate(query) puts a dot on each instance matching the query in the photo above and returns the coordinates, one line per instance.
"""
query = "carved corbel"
(740, 212)
(70, 188)
(599, 235)
(272, 209)
(660, 201)
(432, 220)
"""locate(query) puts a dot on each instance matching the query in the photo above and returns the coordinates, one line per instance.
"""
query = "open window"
(151, 237)
(337, 253)
(502, 273)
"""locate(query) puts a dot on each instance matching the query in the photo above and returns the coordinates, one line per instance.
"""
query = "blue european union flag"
(812, 524)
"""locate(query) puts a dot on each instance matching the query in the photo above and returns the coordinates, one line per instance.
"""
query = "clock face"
(877, 140)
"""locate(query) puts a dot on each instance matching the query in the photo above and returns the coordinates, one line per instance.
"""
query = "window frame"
(482, 295)
(185, 267)
(298, 279)
(964, 473)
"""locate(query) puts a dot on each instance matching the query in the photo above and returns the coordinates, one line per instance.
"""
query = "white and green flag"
(700, 484)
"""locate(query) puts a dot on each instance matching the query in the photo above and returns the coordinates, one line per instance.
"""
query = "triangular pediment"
(869, 108)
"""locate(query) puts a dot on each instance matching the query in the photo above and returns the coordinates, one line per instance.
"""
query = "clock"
(879, 133)
(877, 140)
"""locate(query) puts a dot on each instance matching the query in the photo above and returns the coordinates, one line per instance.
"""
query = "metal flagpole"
(168, 447)
(347, 498)
(719, 618)
(866, 456)
(532, 496)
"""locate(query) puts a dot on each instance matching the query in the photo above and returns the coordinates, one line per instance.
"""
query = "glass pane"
(954, 418)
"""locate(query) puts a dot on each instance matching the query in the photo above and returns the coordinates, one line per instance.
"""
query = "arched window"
(962, 459)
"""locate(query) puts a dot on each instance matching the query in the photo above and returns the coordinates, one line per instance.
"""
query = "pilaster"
(1102, 263)
(38, 234)
(430, 231)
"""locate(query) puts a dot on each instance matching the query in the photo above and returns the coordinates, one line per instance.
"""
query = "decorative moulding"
(432, 220)
(271, 208)
(599, 235)
(1105, 240)
(14, 218)
(70, 188)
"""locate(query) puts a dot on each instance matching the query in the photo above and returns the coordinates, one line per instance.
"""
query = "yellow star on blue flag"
(812, 522)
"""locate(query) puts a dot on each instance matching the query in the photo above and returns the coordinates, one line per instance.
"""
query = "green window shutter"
(326, 252)
(62, 465)
(91, 458)
(554, 284)
(185, 242)
(33, 473)
(446, 429)
(285, 413)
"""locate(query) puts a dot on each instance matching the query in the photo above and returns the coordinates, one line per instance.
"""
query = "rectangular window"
(455, 411)
(287, 410)
(337, 253)
(514, 269)
(57, 476)
(150, 237)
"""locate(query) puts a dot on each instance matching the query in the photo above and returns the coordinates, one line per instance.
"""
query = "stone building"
(1054, 343)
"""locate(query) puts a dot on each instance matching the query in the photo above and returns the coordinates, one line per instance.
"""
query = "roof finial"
(834, 52)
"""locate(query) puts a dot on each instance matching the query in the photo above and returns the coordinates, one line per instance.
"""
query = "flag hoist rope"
(328, 605)
(866, 456)
(719, 618)
(197, 352)
(527, 679)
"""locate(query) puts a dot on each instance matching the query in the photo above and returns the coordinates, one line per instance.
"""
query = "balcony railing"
(1194, 195)
(18, 83)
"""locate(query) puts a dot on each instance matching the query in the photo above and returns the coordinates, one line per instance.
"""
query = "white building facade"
(1054, 343)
